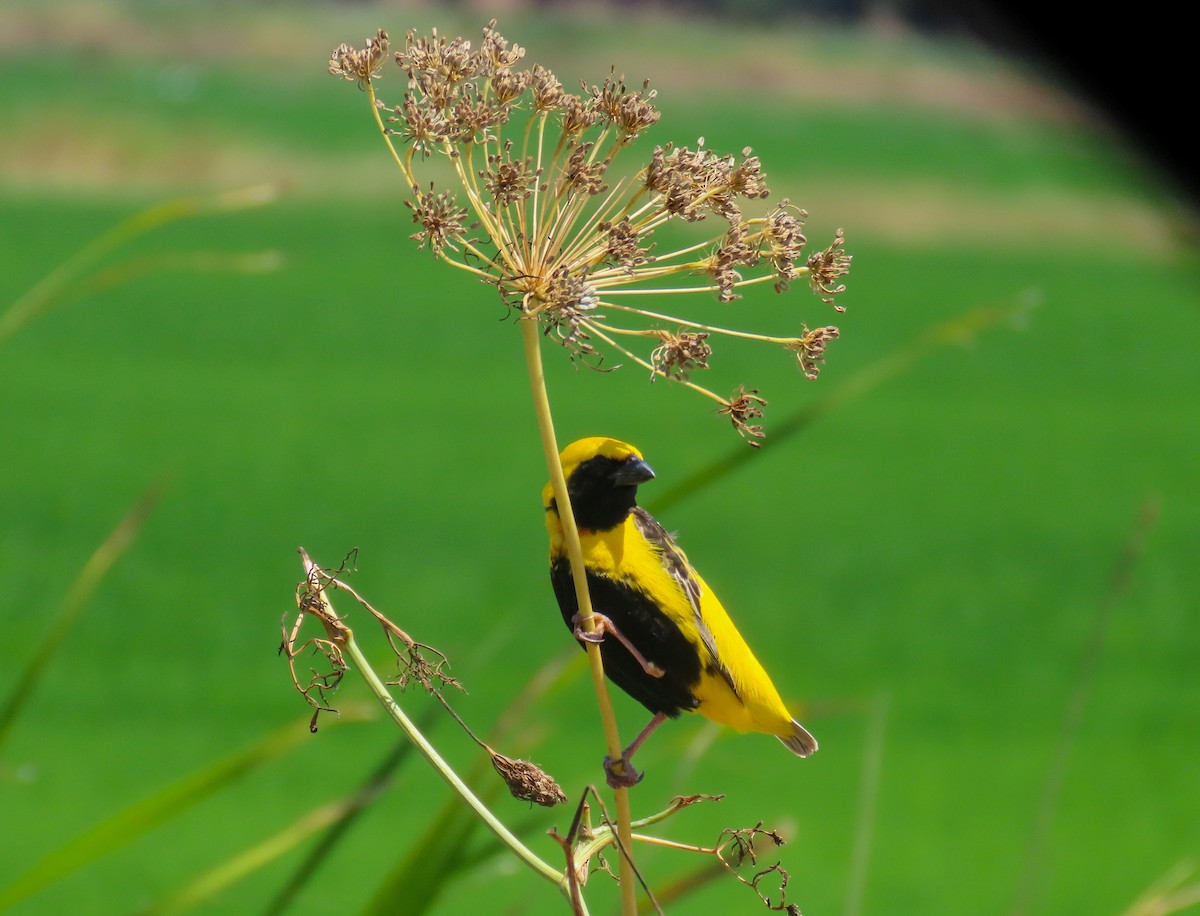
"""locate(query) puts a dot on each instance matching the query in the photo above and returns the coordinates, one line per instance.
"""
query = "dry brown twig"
(525, 780)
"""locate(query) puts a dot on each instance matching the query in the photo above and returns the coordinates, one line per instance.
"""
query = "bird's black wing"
(676, 563)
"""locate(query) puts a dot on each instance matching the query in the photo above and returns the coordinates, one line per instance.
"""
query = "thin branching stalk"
(343, 637)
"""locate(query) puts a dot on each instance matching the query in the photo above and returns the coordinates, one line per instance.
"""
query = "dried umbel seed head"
(360, 66)
(747, 178)
(548, 94)
(631, 112)
(827, 267)
(564, 231)
(509, 180)
(680, 353)
(621, 245)
(567, 303)
(810, 349)
(495, 53)
(785, 241)
(734, 251)
(423, 126)
(582, 174)
(743, 407)
(441, 219)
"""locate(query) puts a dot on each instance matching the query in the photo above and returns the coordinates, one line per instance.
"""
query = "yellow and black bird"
(673, 647)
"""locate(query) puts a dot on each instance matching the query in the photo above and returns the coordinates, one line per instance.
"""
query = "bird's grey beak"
(632, 472)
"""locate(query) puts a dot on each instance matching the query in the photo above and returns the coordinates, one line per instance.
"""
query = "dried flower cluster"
(528, 781)
(541, 213)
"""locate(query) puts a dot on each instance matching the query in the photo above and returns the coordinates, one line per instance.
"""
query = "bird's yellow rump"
(667, 640)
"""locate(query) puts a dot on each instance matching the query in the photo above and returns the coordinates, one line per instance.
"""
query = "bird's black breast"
(644, 625)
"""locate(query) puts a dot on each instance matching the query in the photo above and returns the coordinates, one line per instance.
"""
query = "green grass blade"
(251, 860)
(957, 330)
(1172, 893)
(333, 817)
(418, 878)
(55, 286)
(148, 813)
(375, 784)
(1037, 849)
(81, 591)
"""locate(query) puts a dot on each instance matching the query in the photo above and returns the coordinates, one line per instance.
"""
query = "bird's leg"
(620, 773)
(604, 625)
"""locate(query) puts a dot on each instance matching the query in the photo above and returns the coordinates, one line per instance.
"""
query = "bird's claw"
(620, 774)
(601, 627)
(594, 636)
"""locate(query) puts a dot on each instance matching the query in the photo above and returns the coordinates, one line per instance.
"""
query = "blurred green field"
(941, 548)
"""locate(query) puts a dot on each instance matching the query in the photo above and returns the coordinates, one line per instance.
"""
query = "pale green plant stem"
(535, 209)
(387, 138)
(682, 322)
(359, 661)
(537, 380)
(695, 266)
(585, 249)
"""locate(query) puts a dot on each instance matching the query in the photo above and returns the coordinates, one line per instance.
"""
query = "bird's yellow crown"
(582, 450)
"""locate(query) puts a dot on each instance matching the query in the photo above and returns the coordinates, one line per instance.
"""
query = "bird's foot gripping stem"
(602, 626)
(620, 774)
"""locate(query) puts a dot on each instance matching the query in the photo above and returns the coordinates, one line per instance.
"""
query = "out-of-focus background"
(967, 552)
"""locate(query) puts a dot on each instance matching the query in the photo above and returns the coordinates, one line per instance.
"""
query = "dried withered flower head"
(527, 781)
(441, 220)
(360, 66)
(622, 246)
(679, 353)
(562, 233)
(810, 349)
(743, 407)
(509, 180)
(827, 267)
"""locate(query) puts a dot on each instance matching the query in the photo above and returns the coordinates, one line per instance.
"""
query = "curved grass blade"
(169, 802)
(333, 818)
(1174, 892)
(57, 284)
(1037, 848)
(81, 591)
(374, 785)
(957, 330)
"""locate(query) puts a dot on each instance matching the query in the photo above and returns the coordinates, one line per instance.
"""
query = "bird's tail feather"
(799, 742)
